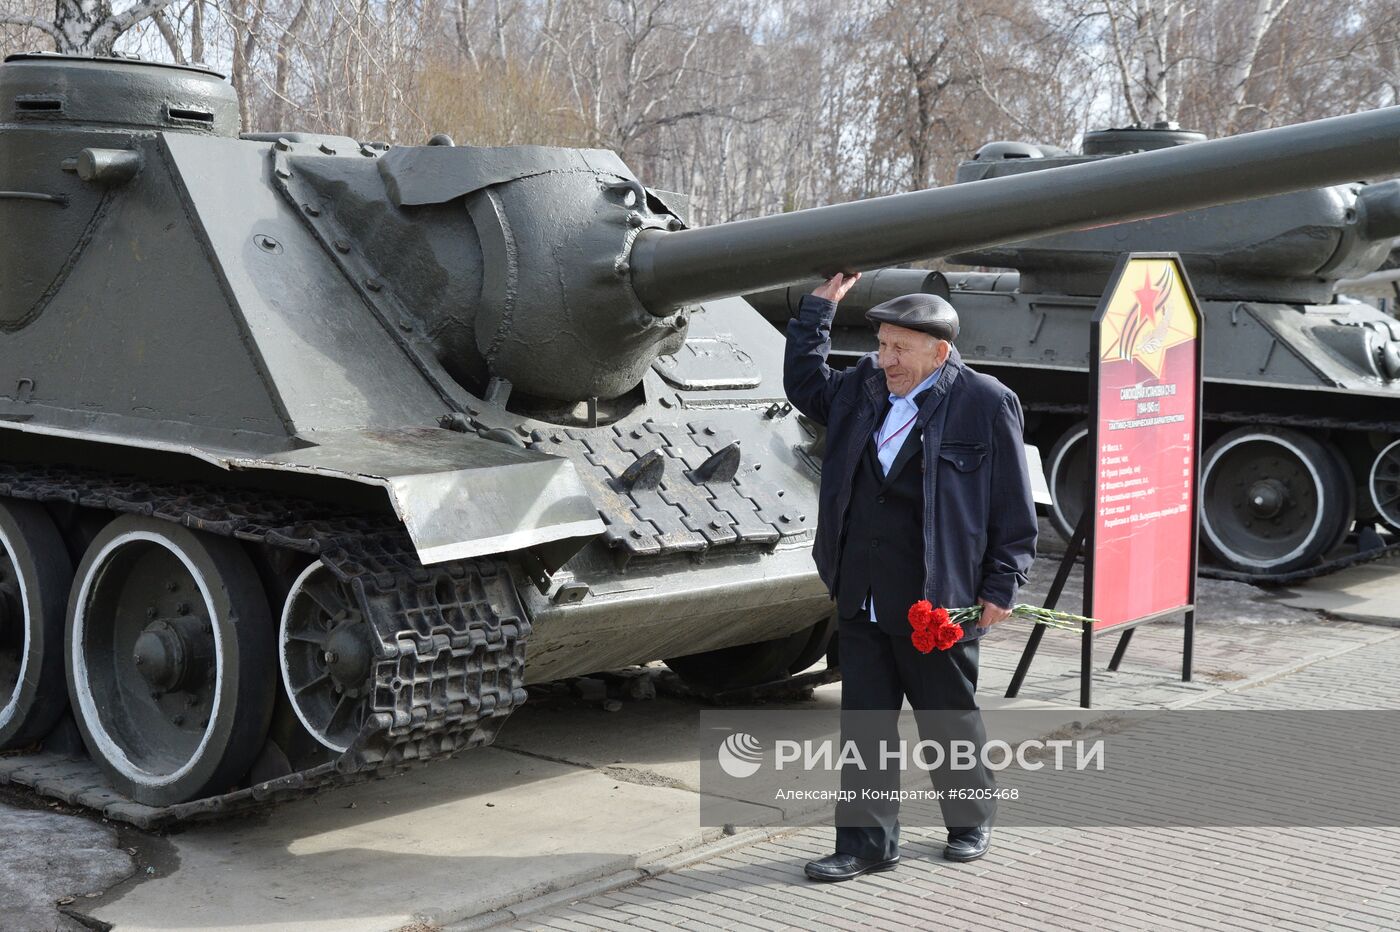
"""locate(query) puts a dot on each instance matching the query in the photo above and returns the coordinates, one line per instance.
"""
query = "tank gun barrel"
(670, 269)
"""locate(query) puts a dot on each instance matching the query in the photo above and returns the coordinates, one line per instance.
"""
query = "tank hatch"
(47, 89)
(1138, 137)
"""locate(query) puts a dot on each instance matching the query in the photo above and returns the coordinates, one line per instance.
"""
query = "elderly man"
(925, 494)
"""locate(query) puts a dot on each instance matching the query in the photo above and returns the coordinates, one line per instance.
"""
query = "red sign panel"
(1144, 439)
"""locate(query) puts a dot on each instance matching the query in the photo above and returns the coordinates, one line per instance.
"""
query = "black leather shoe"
(968, 844)
(835, 867)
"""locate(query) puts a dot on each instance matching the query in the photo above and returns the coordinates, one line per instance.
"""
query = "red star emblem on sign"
(1144, 323)
(1147, 299)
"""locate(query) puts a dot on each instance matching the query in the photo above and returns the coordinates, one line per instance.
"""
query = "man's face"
(908, 356)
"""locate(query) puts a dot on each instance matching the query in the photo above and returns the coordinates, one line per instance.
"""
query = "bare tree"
(755, 106)
(86, 27)
(627, 64)
(1260, 16)
(1145, 36)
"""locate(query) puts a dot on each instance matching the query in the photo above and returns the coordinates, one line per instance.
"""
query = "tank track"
(1306, 573)
(450, 639)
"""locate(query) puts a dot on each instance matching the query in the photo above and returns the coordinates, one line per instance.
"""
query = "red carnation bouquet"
(940, 628)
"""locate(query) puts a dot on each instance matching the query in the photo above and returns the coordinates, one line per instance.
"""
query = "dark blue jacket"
(979, 518)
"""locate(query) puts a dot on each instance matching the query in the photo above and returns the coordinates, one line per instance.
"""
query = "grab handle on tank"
(108, 167)
(58, 199)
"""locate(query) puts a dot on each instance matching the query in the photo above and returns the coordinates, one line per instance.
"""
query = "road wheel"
(171, 660)
(326, 650)
(1067, 473)
(35, 575)
(1383, 482)
(1274, 500)
(750, 664)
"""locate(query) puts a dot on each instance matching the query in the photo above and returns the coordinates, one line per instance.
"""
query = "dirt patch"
(644, 777)
(1223, 676)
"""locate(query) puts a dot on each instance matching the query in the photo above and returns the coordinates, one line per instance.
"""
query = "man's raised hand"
(835, 287)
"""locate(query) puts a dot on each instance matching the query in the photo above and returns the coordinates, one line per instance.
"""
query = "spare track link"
(450, 639)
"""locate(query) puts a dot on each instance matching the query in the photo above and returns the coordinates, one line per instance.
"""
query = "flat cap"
(926, 313)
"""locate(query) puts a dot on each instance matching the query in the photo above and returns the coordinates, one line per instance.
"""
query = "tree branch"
(30, 22)
(167, 32)
(121, 22)
(1122, 62)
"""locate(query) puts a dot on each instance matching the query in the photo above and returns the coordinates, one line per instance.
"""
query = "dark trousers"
(878, 672)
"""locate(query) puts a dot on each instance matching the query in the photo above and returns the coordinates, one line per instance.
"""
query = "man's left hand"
(991, 614)
(835, 287)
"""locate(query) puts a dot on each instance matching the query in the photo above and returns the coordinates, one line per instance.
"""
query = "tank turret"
(1289, 248)
(305, 438)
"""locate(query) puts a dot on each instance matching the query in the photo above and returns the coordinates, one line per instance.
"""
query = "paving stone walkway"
(1058, 878)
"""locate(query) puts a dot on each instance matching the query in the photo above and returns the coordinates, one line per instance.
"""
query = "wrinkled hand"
(991, 614)
(835, 287)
